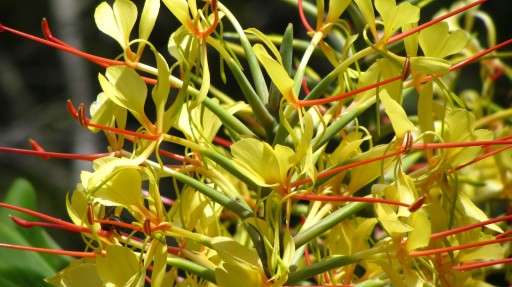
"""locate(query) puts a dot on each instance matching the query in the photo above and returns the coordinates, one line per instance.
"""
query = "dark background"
(36, 81)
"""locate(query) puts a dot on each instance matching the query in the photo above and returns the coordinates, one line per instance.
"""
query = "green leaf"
(25, 268)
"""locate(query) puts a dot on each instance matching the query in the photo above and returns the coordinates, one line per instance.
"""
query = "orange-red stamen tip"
(2, 28)
(71, 109)
(147, 227)
(417, 204)
(35, 146)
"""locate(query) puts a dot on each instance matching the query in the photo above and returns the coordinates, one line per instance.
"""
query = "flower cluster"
(334, 185)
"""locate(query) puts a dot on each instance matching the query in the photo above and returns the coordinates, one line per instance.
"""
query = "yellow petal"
(120, 267)
(399, 120)
(277, 74)
(420, 236)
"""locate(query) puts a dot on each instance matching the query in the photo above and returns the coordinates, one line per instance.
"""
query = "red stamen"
(500, 71)
(86, 157)
(462, 144)
(83, 120)
(120, 224)
(308, 103)
(71, 109)
(37, 147)
(57, 223)
(434, 21)
(491, 153)
(472, 266)
(29, 224)
(95, 59)
(48, 34)
(50, 251)
(344, 167)
(469, 227)
(212, 28)
(303, 18)
(334, 198)
(222, 142)
(305, 86)
(458, 247)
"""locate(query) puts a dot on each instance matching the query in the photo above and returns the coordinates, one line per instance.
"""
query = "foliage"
(341, 184)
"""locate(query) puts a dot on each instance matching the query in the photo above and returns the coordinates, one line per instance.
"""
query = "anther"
(82, 119)
(147, 227)
(72, 109)
(417, 204)
(46, 29)
(406, 70)
(90, 215)
(407, 144)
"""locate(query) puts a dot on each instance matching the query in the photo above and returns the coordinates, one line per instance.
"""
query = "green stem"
(343, 121)
(192, 267)
(328, 264)
(257, 74)
(327, 223)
